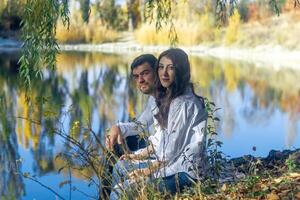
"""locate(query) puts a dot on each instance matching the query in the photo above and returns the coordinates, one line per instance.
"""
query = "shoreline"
(276, 56)
(273, 56)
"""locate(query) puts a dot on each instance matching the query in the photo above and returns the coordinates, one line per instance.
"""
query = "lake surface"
(260, 107)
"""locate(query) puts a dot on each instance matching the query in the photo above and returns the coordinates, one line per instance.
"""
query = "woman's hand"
(138, 175)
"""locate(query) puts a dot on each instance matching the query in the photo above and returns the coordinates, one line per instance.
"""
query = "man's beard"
(147, 90)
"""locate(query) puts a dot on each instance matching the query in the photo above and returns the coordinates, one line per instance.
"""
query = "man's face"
(144, 77)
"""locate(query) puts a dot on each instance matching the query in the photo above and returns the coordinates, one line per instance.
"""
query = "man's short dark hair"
(144, 58)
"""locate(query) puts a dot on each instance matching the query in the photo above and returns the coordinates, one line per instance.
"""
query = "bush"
(147, 34)
(79, 32)
(233, 30)
(189, 33)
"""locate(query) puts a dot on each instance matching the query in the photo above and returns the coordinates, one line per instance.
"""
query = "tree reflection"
(28, 124)
(229, 116)
(263, 90)
(108, 97)
(11, 183)
(291, 131)
(38, 118)
(291, 104)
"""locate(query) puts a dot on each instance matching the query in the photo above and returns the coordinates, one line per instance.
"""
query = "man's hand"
(114, 136)
(130, 156)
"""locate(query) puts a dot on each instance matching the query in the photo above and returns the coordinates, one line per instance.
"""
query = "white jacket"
(181, 146)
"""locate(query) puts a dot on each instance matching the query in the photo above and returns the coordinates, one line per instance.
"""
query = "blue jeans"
(174, 183)
(119, 176)
(171, 184)
(122, 168)
(133, 143)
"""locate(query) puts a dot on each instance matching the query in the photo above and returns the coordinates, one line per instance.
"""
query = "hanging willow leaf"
(274, 6)
(85, 10)
(225, 8)
(160, 11)
(38, 33)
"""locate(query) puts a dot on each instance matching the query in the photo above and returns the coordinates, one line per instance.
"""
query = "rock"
(274, 159)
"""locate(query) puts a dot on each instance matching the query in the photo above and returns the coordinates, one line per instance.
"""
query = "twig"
(28, 119)
(85, 194)
(70, 177)
(43, 185)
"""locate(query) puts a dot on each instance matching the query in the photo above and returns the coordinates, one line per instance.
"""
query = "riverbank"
(272, 178)
(263, 55)
(275, 56)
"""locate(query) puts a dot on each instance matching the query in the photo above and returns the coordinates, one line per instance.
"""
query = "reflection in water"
(254, 110)
(11, 183)
(291, 131)
(93, 90)
(229, 115)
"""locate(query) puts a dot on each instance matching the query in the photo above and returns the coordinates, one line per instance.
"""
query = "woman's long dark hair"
(181, 82)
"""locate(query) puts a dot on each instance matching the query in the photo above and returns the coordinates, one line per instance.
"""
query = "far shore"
(272, 56)
(263, 55)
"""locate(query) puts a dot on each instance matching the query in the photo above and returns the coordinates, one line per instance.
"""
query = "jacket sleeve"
(141, 124)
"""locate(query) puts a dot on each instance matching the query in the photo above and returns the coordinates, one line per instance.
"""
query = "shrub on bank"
(147, 35)
(79, 32)
(233, 30)
(189, 33)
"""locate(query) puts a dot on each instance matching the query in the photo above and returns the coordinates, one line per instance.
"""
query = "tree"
(10, 16)
(110, 14)
(85, 9)
(41, 16)
(133, 14)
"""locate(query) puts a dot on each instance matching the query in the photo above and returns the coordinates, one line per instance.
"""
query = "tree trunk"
(130, 14)
(142, 10)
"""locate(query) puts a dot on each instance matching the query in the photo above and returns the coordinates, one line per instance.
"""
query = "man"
(143, 73)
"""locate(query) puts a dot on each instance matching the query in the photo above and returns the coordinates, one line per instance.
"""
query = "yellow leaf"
(224, 187)
(263, 186)
(278, 180)
(297, 195)
(273, 196)
(294, 175)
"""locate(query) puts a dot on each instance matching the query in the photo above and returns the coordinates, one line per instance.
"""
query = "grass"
(276, 183)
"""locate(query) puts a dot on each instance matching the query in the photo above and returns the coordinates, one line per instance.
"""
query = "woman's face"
(166, 72)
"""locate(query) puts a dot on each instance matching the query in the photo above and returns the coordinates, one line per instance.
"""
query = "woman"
(179, 123)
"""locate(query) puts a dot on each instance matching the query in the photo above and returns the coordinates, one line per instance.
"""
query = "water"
(260, 108)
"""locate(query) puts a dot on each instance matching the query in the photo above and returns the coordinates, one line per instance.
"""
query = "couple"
(174, 157)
